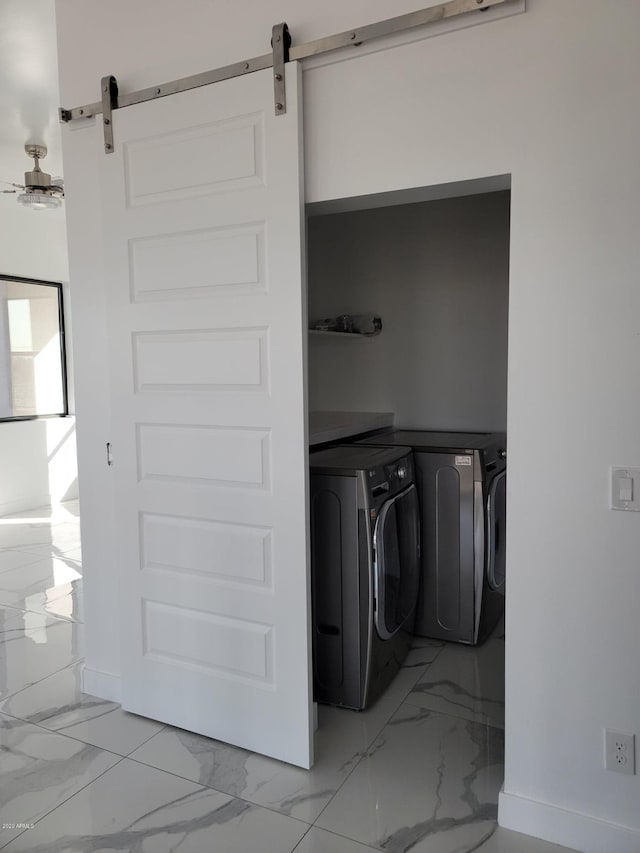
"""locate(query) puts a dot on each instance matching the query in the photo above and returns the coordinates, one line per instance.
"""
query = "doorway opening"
(428, 270)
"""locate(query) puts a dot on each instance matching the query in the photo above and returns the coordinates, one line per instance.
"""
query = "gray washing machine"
(365, 569)
(461, 480)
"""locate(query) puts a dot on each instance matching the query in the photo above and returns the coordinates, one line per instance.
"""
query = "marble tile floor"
(419, 771)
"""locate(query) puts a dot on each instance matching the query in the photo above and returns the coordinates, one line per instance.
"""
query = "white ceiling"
(29, 97)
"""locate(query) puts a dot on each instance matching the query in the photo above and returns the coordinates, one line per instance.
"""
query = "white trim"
(561, 826)
(102, 684)
(410, 195)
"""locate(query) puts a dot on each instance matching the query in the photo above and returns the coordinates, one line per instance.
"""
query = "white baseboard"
(560, 826)
(24, 504)
(101, 684)
(36, 501)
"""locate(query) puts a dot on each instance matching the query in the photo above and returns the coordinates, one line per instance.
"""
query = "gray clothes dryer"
(364, 569)
(461, 480)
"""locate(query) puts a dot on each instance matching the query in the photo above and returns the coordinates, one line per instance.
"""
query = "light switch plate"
(625, 489)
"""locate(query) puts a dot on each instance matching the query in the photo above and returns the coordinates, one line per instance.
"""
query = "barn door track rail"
(283, 51)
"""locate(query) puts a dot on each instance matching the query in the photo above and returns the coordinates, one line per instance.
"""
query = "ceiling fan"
(41, 191)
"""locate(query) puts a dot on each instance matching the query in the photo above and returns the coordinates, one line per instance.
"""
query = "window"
(33, 378)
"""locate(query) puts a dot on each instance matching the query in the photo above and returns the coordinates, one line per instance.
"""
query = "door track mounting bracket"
(280, 44)
(109, 93)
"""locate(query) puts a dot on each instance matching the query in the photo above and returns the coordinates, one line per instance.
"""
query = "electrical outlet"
(620, 752)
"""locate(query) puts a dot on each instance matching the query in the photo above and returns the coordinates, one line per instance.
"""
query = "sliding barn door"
(203, 230)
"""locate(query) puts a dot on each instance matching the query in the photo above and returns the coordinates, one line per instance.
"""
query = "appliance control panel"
(400, 473)
(386, 480)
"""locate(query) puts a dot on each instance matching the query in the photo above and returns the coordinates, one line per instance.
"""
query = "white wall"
(37, 458)
(437, 273)
(550, 97)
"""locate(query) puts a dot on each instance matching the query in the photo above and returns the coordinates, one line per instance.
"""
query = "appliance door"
(496, 529)
(396, 543)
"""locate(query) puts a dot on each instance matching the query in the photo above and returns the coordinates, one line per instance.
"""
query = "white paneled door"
(203, 243)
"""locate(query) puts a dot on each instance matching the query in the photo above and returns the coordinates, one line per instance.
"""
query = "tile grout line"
(151, 737)
(41, 725)
(33, 684)
(308, 830)
(69, 737)
(66, 800)
(204, 787)
(362, 844)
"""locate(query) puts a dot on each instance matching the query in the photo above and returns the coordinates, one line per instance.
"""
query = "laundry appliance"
(461, 479)
(365, 569)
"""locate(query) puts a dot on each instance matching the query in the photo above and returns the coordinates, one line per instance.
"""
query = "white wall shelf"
(358, 335)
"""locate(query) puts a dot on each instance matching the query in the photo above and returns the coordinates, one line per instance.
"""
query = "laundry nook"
(344, 309)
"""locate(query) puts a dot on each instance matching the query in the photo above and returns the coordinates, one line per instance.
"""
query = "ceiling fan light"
(38, 200)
